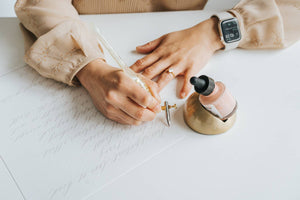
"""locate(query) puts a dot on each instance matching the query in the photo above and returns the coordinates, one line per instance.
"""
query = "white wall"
(7, 6)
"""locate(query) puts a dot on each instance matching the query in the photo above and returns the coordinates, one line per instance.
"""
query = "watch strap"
(223, 16)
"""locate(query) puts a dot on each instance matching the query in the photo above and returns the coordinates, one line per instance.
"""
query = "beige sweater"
(61, 44)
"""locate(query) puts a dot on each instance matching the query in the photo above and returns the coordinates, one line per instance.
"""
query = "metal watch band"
(224, 16)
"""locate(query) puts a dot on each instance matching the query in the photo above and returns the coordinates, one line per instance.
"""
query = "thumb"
(149, 47)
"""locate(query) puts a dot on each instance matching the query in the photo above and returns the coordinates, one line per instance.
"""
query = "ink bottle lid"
(203, 84)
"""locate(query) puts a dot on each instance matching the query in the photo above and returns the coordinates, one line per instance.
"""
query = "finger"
(157, 68)
(153, 87)
(124, 118)
(186, 88)
(117, 115)
(167, 76)
(144, 62)
(149, 47)
(142, 97)
(134, 110)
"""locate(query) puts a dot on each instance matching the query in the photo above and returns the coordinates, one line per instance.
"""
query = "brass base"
(201, 120)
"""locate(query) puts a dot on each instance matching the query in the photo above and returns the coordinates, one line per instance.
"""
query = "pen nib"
(167, 108)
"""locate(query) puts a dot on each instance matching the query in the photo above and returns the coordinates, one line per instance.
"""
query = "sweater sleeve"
(62, 44)
(268, 24)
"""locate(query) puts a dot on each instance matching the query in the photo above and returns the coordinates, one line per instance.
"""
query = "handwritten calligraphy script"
(58, 146)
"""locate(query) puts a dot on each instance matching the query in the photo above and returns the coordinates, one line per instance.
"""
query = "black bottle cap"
(203, 84)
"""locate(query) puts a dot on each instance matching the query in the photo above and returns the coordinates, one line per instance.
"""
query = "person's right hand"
(117, 96)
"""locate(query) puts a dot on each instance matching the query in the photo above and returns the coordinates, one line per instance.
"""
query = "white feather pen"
(119, 60)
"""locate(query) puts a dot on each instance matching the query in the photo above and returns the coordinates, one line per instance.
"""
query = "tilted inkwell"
(211, 109)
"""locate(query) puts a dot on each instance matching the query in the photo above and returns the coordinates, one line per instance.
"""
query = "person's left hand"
(186, 52)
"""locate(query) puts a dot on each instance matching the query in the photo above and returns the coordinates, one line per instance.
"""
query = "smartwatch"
(229, 30)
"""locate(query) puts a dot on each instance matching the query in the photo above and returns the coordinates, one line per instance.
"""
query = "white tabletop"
(259, 158)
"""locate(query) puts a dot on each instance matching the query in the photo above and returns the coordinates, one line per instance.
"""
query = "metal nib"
(167, 113)
(167, 108)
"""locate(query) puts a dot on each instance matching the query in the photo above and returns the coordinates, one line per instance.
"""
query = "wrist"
(210, 27)
(214, 35)
(89, 70)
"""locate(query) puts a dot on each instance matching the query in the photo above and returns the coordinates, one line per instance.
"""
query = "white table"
(259, 158)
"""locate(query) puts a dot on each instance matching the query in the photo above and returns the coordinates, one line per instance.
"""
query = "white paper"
(58, 146)
(8, 188)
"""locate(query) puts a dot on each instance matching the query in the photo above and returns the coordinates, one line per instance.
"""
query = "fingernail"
(157, 108)
(158, 99)
(182, 94)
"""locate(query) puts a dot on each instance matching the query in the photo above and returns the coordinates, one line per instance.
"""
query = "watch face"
(230, 30)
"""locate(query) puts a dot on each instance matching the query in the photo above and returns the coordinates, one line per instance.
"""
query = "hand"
(117, 96)
(186, 52)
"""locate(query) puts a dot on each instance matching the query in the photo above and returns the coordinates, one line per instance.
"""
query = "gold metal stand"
(201, 120)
